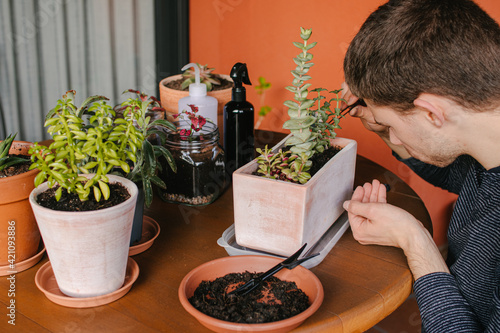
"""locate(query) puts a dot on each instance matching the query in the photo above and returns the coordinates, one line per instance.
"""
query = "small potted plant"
(286, 197)
(84, 213)
(175, 87)
(200, 177)
(19, 231)
(148, 117)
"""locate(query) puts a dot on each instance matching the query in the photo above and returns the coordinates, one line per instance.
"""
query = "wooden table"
(362, 284)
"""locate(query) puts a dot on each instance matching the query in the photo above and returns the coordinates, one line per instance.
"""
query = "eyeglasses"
(359, 102)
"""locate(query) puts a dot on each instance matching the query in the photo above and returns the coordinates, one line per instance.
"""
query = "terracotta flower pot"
(211, 270)
(16, 212)
(279, 217)
(88, 251)
(170, 98)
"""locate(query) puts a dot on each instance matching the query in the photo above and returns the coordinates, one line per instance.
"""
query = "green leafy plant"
(311, 127)
(312, 122)
(101, 146)
(5, 159)
(206, 77)
(261, 90)
(146, 166)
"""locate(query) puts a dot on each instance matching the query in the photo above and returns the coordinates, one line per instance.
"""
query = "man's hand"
(374, 221)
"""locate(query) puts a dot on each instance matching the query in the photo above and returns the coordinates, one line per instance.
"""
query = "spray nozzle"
(197, 88)
(239, 74)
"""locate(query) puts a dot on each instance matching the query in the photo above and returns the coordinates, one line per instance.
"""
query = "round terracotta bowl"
(211, 270)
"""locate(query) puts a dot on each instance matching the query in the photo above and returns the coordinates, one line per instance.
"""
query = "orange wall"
(260, 33)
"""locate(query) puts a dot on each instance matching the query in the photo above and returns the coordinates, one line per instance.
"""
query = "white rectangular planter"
(279, 217)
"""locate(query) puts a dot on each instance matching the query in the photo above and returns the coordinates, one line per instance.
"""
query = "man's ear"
(433, 107)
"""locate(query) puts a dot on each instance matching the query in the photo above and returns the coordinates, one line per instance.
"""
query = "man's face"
(423, 140)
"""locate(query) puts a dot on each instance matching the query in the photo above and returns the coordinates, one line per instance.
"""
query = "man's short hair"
(449, 48)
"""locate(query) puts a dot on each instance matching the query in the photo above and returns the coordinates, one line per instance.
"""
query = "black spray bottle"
(238, 122)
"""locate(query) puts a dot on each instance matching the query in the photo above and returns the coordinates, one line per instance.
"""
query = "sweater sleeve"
(443, 309)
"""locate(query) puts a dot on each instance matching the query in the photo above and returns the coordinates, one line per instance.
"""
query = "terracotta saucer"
(25, 264)
(150, 230)
(46, 282)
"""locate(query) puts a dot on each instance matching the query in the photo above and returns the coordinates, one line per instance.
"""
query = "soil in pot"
(224, 84)
(18, 168)
(273, 301)
(319, 160)
(70, 202)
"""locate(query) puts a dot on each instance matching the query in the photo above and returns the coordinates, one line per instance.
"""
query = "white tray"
(323, 246)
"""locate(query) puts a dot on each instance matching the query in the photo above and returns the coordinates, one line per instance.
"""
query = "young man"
(429, 73)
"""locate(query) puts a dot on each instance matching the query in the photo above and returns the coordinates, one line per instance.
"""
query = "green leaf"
(299, 123)
(311, 45)
(163, 123)
(90, 165)
(149, 157)
(58, 193)
(40, 178)
(104, 189)
(5, 145)
(125, 167)
(87, 102)
(97, 193)
(148, 192)
(291, 104)
(158, 182)
(168, 156)
(307, 57)
(307, 104)
(302, 136)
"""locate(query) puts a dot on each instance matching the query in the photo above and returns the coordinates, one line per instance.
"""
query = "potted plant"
(175, 87)
(285, 207)
(84, 213)
(19, 233)
(200, 177)
(148, 117)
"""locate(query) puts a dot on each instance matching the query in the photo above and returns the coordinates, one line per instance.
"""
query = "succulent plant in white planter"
(88, 247)
(288, 207)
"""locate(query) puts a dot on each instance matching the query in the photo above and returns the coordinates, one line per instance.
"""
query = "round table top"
(362, 284)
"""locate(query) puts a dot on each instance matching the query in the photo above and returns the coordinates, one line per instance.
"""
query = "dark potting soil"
(224, 84)
(70, 202)
(16, 169)
(273, 301)
(319, 160)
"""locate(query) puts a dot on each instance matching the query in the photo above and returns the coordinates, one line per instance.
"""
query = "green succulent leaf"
(291, 104)
(104, 188)
(299, 123)
(310, 46)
